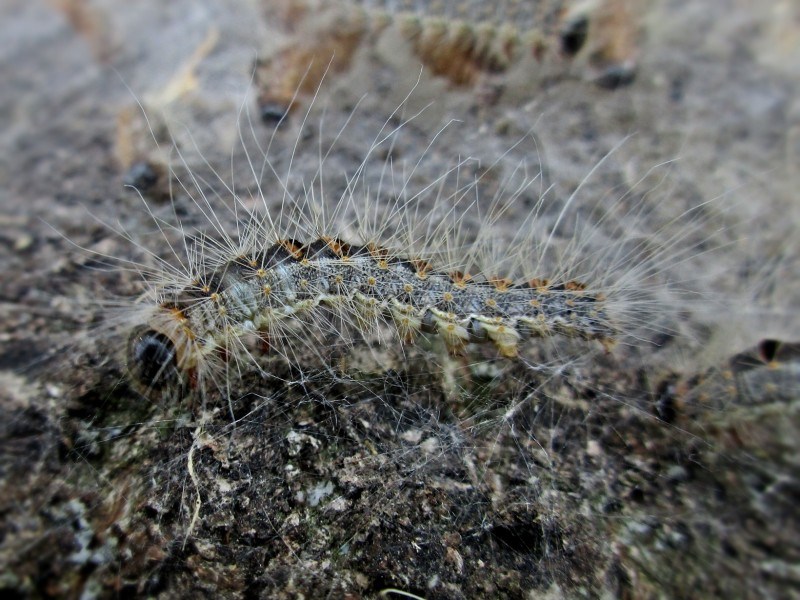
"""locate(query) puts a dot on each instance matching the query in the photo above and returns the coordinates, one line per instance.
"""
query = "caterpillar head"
(152, 361)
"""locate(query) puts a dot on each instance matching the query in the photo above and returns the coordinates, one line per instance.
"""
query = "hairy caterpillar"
(255, 292)
(467, 48)
(308, 275)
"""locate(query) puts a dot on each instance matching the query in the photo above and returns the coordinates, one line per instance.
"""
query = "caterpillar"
(307, 276)
(192, 324)
(471, 49)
